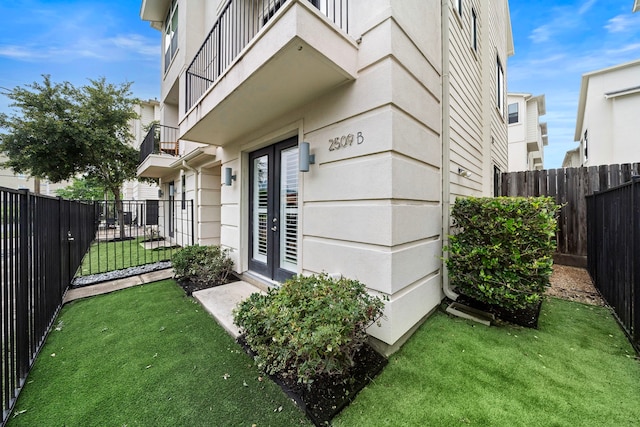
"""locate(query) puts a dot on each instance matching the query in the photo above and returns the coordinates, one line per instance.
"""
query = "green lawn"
(149, 356)
(109, 256)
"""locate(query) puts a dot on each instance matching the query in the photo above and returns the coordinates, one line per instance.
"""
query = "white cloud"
(586, 7)
(18, 52)
(541, 34)
(622, 23)
(137, 44)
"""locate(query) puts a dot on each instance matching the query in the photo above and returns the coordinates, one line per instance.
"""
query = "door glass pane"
(289, 209)
(260, 208)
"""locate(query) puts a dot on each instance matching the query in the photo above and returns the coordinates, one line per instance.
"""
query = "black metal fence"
(159, 139)
(141, 232)
(238, 23)
(613, 218)
(42, 242)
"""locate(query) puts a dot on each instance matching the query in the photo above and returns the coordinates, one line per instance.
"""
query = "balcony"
(158, 151)
(263, 59)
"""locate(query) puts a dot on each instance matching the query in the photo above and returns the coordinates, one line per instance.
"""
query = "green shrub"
(308, 327)
(202, 264)
(502, 252)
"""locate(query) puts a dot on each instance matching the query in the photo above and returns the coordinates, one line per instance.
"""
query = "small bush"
(308, 327)
(202, 265)
(502, 252)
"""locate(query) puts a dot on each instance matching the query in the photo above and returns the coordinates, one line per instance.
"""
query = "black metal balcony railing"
(159, 139)
(236, 26)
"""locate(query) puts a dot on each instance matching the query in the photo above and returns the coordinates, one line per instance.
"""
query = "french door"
(273, 210)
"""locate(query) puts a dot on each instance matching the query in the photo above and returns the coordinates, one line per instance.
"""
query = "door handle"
(274, 228)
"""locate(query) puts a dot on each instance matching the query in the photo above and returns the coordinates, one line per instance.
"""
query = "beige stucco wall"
(389, 183)
(373, 210)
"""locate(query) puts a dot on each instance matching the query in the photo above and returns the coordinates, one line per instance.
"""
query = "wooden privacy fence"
(569, 187)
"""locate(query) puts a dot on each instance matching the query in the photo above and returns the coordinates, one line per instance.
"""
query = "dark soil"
(527, 317)
(191, 287)
(328, 395)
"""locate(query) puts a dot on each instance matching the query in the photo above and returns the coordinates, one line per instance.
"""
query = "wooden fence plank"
(614, 176)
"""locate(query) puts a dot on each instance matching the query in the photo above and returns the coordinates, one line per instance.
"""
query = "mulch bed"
(328, 395)
(527, 317)
(190, 287)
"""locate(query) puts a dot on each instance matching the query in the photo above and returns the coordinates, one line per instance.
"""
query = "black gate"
(613, 218)
(42, 242)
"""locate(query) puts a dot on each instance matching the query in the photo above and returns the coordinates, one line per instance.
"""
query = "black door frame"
(271, 269)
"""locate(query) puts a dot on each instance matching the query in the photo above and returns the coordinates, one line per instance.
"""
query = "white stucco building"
(401, 104)
(527, 134)
(148, 113)
(607, 125)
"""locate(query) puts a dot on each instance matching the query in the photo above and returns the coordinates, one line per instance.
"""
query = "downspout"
(446, 147)
(195, 197)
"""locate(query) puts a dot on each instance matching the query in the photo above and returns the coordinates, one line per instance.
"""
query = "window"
(499, 86)
(474, 30)
(497, 181)
(513, 112)
(459, 6)
(586, 146)
(184, 192)
(171, 34)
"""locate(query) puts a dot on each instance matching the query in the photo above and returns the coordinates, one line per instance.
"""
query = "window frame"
(500, 89)
(517, 113)
(170, 32)
(474, 30)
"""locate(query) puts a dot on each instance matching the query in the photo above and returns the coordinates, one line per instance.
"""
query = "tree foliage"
(59, 131)
(82, 189)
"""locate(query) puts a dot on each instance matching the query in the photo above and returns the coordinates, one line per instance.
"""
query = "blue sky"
(555, 43)
(558, 41)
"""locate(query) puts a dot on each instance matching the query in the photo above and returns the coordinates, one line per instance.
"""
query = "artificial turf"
(109, 256)
(577, 369)
(147, 356)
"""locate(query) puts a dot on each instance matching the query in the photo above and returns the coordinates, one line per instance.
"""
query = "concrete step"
(220, 301)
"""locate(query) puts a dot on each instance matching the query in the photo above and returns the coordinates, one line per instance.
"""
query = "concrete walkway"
(116, 285)
(219, 301)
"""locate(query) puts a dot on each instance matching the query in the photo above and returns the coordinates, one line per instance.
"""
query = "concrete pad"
(116, 285)
(221, 300)
(156, 276)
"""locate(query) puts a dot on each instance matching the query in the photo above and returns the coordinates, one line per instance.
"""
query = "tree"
(83, 189)
(63, 131)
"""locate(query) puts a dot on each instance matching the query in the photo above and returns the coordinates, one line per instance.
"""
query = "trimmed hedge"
(502, 252)
(310, 326)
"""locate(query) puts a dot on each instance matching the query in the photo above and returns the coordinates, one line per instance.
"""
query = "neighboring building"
(527, 135)
(636, 5)
(148, 114)
(572, 159)
(402, 105)
(607, 126)
(9, 179)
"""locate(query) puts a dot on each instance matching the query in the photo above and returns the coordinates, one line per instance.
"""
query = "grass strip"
(576, 369)
(109, 256)
(147, 356)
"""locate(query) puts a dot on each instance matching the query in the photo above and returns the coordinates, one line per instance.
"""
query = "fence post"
(22, 302)
(635, 256)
